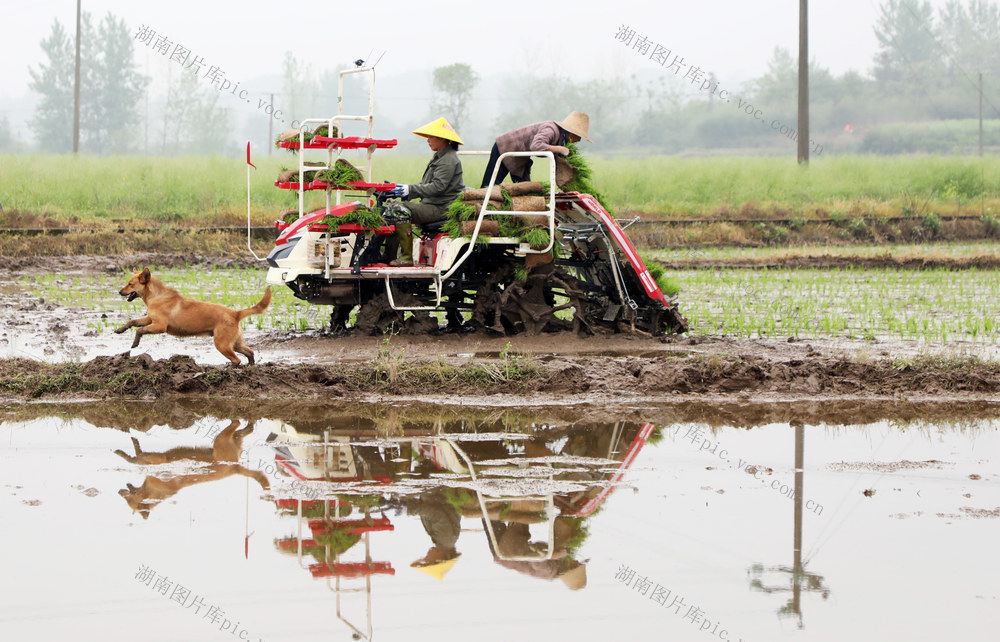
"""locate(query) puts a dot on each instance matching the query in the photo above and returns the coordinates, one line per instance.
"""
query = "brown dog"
(168, 311)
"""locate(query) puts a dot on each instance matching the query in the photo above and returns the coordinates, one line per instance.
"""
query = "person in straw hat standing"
(442, 182)
(549, 136)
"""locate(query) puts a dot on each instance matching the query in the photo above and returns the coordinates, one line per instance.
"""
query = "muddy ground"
(51, 354)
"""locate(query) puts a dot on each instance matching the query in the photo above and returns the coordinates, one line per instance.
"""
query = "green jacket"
(442, 181)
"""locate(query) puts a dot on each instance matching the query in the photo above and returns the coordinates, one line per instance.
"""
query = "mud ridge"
(554, 377)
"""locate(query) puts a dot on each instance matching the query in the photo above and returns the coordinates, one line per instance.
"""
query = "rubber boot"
(405, 244)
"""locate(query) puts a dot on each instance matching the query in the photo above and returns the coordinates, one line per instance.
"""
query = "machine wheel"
(377, 316)
(338, 320)
(509, 306)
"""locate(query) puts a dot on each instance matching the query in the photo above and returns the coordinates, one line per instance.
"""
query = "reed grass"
(212, 190)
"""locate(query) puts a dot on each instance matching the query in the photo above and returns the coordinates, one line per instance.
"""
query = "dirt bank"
(645, 370)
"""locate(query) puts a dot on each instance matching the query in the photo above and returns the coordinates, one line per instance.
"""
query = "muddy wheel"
(532, 306)
(672, 321)
(484, 312)
(338, 319)
(378, 317)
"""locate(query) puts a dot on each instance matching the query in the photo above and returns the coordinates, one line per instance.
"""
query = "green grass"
(704, 185)
(213, 189)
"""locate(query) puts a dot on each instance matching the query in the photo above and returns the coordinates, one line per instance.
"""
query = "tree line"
(927, 68)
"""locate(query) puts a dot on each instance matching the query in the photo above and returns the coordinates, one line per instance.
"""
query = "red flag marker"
(248, 156)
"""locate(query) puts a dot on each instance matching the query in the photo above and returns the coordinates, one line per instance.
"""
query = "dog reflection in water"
(221, 457)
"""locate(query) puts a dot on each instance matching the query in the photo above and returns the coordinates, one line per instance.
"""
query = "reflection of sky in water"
(913, 561)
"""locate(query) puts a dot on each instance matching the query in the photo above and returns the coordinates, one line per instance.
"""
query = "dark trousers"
(423, 213)
(420, 214)
(502, 173)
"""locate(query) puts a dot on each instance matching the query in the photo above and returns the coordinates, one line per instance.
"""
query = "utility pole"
(270, 129)
(803, 132)
(76, 86)
(980, 114)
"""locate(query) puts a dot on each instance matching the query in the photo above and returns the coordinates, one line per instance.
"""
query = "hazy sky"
(733, 38)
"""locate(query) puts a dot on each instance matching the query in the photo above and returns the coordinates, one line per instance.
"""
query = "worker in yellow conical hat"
(443, 523)
(436, 562)
(440, 128)
(442, 182)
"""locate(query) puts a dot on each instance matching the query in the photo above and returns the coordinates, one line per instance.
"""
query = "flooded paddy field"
(835, 479)
(300, 520)
(935, 306)
(67, 311)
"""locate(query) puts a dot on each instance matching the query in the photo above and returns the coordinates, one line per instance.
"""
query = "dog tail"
(257, 309)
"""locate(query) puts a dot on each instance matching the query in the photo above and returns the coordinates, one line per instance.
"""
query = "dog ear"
(144, 277)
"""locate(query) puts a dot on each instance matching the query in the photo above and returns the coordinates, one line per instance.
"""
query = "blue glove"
(401, 191)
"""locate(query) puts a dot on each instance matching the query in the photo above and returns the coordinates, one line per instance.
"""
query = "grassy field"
(211, 190)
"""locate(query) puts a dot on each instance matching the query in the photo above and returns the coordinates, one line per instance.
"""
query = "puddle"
(293, 522)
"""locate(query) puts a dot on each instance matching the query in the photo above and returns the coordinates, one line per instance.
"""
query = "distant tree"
(971, 36)
(110, 88)
(609, 102)
(908, 46)
(193, 120)
(52, 123)
(114, 89)
(6, 137)
(781, 82)
(298, 96)
(779, 87)
(452, 89)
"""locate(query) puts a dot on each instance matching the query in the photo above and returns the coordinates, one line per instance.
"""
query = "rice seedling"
(933, 306)
(340, 174)
(898, 251)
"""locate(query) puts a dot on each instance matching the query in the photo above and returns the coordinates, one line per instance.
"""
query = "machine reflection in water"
(532, 495)
(531, 492)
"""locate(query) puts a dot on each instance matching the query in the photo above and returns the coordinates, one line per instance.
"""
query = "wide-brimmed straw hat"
(440, 128)
(575, 578)
(577, 123)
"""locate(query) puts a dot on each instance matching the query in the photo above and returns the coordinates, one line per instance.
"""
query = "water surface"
(169, 522)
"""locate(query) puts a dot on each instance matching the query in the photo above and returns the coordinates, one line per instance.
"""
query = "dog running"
(168, 311)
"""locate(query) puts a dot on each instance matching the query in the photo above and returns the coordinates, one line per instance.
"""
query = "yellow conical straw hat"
(437, 571)
(440, 128)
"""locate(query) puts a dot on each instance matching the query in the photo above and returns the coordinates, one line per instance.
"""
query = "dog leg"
(148, 328)
(257, 476)
(243, 349)
(129, 458)
(133, 323)
(225, 339)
